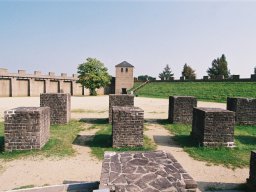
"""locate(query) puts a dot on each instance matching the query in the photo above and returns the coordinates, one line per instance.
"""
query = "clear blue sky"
(57, 36)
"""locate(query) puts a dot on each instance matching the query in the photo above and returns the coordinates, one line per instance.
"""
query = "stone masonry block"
(60, 105)
(119, 100)
(245, 109)
(26, 128)
(127, 127)
(252, 177)
(181, 109)
(213, 127)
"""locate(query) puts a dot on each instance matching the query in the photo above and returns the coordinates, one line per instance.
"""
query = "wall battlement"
(37, 75)
(22, 84)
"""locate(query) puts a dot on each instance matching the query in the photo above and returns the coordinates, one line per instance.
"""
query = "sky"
(57, 36)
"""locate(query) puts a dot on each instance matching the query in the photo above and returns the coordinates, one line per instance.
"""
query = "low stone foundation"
(26, 128)
(127, 127)
(213, 127)
(245, 109)
(119, 100)
(144, 172)
(181, 109)
(60, 105)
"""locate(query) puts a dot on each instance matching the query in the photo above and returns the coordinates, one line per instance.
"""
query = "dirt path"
(204, 174)
(48, 171)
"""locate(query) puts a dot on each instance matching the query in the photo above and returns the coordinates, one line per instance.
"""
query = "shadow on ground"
(81, 140)
(162, 121)
(98, 121)
(94, 140)
(246, 139)
(221, 187)
(165, 140)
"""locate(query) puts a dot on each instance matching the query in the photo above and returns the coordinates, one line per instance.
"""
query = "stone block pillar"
(213, 127)
(181, 109)
(251, 181)
(60, 106)
(127, 126)
(245, 109)
(119, 100)
(26, 128)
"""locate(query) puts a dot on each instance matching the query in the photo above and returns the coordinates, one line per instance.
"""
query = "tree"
(93, 75)
(219, 67)
(188, 72)
(166, 74)
(145, 78)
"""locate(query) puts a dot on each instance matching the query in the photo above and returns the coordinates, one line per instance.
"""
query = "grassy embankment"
(245, 141)
(204, 91)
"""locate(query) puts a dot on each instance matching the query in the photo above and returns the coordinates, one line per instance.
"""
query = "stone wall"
(26, 128)
(213, 127)
(60, 106)
(127, 126)
(23, 84)
(252, 173)
(181, 109)
(119, 100)
(144, 172)
(245, 109)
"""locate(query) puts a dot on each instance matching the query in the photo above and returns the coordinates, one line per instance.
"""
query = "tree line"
(219, 67)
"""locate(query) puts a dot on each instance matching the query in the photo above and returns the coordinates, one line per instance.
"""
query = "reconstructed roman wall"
(23, 84)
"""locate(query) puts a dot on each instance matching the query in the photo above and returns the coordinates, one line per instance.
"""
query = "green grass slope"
(205, 91)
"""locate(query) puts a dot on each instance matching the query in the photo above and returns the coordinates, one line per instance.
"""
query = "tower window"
(126, 69)
(122, 70)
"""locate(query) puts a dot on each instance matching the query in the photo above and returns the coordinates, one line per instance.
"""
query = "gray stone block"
(213, 127)
(245, 109)
(26, 128)
(127, 127)
(252, 173)
(181, 109)
(119, 100)
(60, 106)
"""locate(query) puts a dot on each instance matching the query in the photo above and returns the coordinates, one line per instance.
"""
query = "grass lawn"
(103, 142)
(245, 141)
(205, 91)
(62, 137)
(59, 144)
